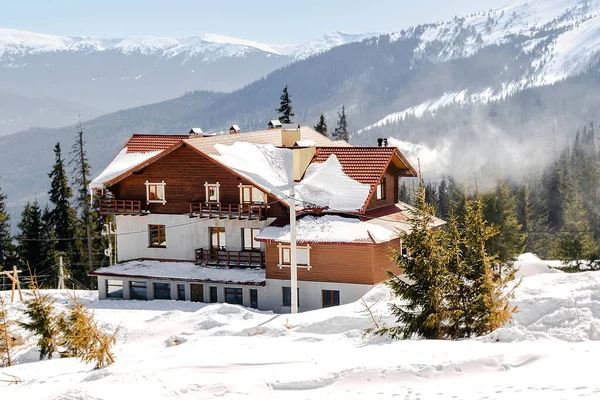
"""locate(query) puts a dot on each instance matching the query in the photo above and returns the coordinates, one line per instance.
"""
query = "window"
(253, 298)
(213, 294)
(162, 291)
(157, 236)
(287, 296)
(248, 235)
(381, 189)
(302, 256)
(404, 250)
(251, 195)
(138, 290)
(181, 291)
(212, 192)
(234, 296)
(114, 289)
(155, 192)
(217, 238)
(331, 298)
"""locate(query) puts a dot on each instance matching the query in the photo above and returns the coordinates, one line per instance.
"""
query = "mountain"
(101, 75)
(487, 94)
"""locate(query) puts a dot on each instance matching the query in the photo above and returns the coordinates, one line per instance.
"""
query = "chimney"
(234, 129)
(290, 134)
(379, 142)
(385, 142)
(196, 132)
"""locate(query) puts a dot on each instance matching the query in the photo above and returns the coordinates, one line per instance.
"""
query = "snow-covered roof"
(305, 143)
(329, 229)
(122, 163)
(234, 128)
(324, 186)
(196, 131)
(186, 271)
(395, 217)
(275, 122)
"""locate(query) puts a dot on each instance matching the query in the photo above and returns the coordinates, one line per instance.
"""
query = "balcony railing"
(110, 206)
(232, 211)
(245, 258)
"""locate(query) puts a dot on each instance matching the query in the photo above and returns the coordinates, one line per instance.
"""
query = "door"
(197, 292)
(217, 242)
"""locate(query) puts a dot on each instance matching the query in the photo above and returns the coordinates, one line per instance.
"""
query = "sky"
(276, 22)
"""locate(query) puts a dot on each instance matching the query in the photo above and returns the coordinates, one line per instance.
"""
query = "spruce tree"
(43, 321)
(49, 245)
(443, 199)
(404, 193)
(424, 287)
(6, 336)
(285, 107)
(341, 129)
(7, 248)
(30, 236)
(321, 126)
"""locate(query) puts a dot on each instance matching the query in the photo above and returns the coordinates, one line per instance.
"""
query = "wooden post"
(14, 277)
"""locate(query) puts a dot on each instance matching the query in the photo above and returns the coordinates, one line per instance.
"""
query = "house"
(206, 218)
(274, 124)
(233, 129)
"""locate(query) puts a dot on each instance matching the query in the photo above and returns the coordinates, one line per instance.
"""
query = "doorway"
(217, 242)
(197, 292)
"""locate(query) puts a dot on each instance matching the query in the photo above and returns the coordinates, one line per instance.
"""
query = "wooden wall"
(185, 171)
(382, 260)
(391, 190)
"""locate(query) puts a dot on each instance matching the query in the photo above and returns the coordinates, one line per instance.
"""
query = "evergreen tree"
(49, 245)
(285, 107)
(431, 195)
(321, 126)
(425, 285)
(341, 129)
(6, 336)
(404, 193)
(7, 248)
(62, 215)
(43, 321)
(457, 197)
(443, 199)
(30, 235)
(500, 211)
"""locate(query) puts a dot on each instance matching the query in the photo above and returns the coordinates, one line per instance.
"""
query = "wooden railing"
(235, 211)
(245, 258)
(110, 206)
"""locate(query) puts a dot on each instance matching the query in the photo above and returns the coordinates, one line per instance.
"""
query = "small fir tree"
(321, 126)
(285, 107)
(43, 320)
(84, 339)
(6, 336)
(341, 129)
(425, 286)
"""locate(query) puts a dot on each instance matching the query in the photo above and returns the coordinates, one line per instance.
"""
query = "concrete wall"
(184, 235)
(310, 297)
(262, 301)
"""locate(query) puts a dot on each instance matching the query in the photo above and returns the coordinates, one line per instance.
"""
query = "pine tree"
(30, 235)
(404, 193)
(49, 245)
(43, 321)
(321, 126)
(7, 249)
(443, 199)
(341, 129)
(84, 339)
(431, 195)
(425, 286)
(6, 336)
(500, 210)
(285, 107)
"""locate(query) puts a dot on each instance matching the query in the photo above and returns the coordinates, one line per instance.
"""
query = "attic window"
(212, 192)
(381, 189)
(251, 195)
(155, 192)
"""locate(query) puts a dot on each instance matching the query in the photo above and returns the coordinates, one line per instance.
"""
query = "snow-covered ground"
(230, 352)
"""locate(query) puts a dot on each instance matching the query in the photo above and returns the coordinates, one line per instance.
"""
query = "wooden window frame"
(217, 187)
(283, 248)
(330, 295)
(263, 196)
(381, 189)
(404, 251)
(220, 233)
(252, 244)
(162, 184)
(159, 228)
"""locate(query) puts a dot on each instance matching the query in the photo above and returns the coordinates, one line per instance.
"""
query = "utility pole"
(293, 266)
(61, 274)
(108, 231)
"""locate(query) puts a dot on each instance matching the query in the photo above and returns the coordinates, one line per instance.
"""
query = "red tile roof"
(363, 164)
(143, 143)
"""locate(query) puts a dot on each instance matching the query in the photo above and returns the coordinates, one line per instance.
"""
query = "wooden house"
(206, 218)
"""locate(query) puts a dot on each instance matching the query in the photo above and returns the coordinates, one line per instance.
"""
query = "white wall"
(310, 297)
(184, 235)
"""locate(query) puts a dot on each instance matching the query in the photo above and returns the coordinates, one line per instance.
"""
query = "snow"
(184, 271)
(324, 185)
(182, 350)
(529, 264)
(123, 162)
(329, 229)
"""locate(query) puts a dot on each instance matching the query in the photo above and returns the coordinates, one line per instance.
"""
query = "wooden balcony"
(231, 211)
(111, 206)
(245, 258)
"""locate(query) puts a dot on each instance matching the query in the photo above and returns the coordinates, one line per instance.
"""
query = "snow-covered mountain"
(552, 39)
(107, 74)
